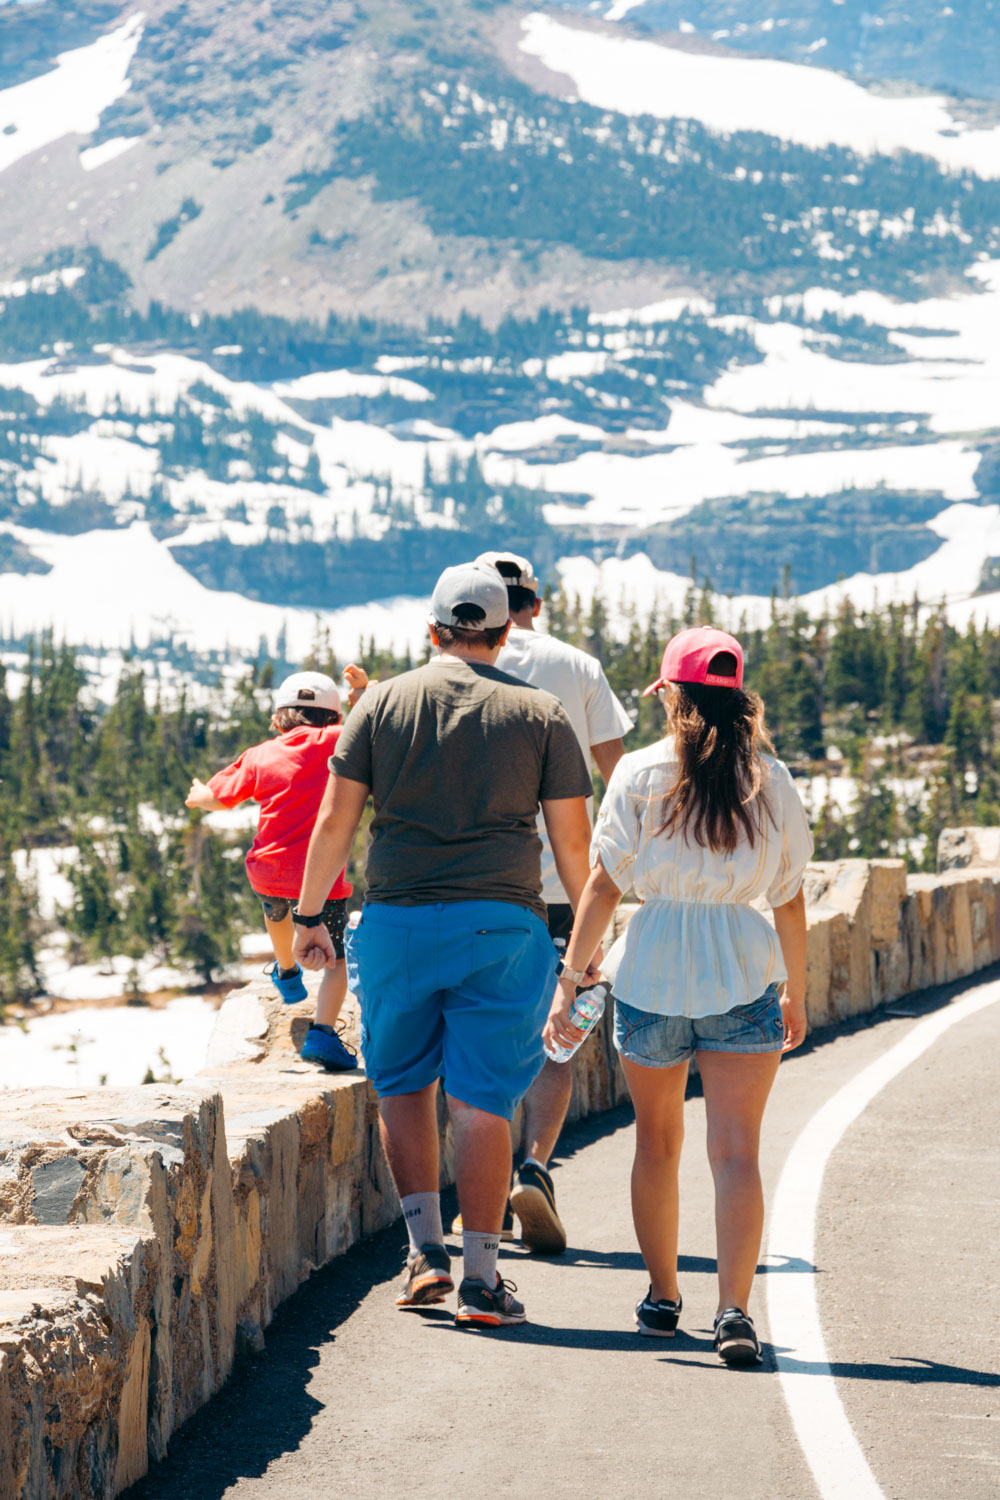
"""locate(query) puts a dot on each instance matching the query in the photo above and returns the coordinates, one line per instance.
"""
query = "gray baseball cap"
(474, 583)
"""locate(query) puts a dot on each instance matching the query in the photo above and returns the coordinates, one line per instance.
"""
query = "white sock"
(422, 1212)
(532, 1161)
(479, 1252)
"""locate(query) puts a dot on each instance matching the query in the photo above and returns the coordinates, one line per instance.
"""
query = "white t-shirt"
(578, 681)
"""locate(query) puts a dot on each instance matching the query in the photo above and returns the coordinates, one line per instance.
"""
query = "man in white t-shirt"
(600, 721)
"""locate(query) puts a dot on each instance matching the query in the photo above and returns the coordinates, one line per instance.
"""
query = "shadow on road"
(915, 1371)
(266, 1410)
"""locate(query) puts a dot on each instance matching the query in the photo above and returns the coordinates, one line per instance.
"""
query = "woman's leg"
(736, 1086)
(332, 994)
(658, 1097)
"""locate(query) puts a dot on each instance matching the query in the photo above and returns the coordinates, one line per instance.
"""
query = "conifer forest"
(897, 699)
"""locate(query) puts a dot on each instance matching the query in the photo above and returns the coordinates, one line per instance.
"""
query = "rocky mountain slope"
(300, 299)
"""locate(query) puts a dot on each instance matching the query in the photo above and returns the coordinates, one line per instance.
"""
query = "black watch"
(302, 921)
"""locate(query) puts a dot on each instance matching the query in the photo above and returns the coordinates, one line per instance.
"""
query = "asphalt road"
(355, 1399)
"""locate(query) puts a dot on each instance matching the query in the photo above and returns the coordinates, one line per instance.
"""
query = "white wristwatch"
(577, 976)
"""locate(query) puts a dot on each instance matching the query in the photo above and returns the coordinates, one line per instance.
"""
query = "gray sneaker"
(489, 1309)
(428, 1278)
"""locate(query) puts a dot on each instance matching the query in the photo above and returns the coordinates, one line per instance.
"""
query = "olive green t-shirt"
(458, 756)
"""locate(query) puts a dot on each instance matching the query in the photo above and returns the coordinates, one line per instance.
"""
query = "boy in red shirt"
(287, 776)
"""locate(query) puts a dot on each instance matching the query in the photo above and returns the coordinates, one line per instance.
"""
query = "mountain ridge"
(301, 301)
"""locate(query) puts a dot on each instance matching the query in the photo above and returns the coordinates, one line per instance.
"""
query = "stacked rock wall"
(147, 1234)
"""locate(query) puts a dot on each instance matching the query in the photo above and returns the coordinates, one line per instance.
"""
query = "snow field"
(950, 576)
(70, 98)
(113, 1044)
(641, 492)
(811, 106)
(109, 584)
(112, 588)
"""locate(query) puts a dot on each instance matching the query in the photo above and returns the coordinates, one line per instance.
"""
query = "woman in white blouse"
(700, 826)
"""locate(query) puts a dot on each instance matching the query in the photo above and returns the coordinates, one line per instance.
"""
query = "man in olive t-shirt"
(452, 962)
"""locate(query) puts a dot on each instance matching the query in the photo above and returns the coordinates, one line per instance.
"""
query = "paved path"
(354, 1399)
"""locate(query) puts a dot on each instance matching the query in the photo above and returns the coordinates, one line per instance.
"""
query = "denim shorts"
(276, 909)
(458, 990)
(664, 1041)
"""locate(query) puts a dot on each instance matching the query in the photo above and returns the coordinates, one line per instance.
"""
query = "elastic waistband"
(719, 905)
(388, 914)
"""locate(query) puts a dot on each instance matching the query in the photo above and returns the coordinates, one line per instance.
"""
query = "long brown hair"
(718, 791)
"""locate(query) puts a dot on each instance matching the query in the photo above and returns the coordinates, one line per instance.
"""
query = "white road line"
(832, 1451)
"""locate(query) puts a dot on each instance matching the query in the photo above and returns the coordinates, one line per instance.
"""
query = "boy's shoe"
(506, 1232)
(291, 989)
(533, 1199)
(327, 1049)
(736, 1341)
(428, 1278)
(488, 1309)
(657, 1320)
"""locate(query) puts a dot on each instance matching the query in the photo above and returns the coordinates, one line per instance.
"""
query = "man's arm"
(568, 828)
(607, 755)
(330, 844)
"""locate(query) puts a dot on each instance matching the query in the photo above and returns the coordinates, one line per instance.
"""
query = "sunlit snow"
(93, 157)
(970, 534)
(335, 384)
(809, 105)
(630, 491)
(113, 1044)
(70, 98)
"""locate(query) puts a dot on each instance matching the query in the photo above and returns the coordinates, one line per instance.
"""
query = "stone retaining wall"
(147, 1234)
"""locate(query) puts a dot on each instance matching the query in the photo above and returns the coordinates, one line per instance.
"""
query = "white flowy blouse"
(696, 947)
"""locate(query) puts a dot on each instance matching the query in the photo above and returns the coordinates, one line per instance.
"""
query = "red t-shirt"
(288, 777)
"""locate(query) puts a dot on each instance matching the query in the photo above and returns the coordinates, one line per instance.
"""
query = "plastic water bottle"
(585, 1012)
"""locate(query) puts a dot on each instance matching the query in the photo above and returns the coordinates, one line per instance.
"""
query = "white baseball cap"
(515, 571)
(477, 584)
(308, 690)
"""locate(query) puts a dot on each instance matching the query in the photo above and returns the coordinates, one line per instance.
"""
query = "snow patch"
(335, 384)
(809, 105)
(970, 535)
(114, 1045)
(71, 97)
(98, 156)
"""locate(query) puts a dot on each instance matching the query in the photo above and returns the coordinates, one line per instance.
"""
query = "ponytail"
(718, 792)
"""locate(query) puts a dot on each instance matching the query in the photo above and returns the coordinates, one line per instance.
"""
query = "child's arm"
(201, 796)
(357, 680)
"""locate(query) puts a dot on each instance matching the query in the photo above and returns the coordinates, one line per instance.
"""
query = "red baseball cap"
(689, 656)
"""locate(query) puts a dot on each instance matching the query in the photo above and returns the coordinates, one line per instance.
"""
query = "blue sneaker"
(291, 989)
(328, 1050)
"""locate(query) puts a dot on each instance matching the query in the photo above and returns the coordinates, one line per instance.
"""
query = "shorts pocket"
(496, 947)
(631, 1022)
(763, 1014)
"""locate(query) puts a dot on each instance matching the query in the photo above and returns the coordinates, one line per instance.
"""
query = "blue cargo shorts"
(460, 991)
(664, 1041)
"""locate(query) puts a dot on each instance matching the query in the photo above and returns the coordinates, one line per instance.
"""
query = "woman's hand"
(592, 973)
(558, 1031)
(793, 1013)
